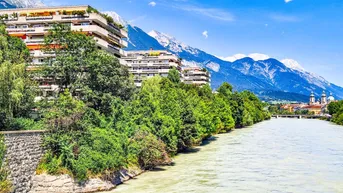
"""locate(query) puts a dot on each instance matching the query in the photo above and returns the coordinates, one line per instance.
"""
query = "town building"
(32, 24)
(195, 75)
(149, 63)
(319, 107)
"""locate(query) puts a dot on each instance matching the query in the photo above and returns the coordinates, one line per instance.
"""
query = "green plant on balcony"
(64, 12)
(14, 15)
(4, 17)
(78, 12)
(108, 18)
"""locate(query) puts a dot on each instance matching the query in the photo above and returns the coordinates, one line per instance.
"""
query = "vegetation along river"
(280, 155)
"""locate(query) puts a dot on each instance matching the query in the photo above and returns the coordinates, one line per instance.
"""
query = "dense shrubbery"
(336, 110)
(110, 125)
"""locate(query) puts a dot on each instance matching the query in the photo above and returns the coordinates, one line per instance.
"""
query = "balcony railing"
(39, 18)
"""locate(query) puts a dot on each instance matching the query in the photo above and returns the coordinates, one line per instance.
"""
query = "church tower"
(312, 99)
(324, 99)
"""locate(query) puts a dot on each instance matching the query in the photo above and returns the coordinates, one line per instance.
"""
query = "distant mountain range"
(7, 4)
(269, 78)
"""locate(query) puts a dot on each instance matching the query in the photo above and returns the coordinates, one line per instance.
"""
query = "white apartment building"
(32, 24)
(145, 64)
(195, 75)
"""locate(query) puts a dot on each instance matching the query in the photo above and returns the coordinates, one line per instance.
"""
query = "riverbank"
(297, 155)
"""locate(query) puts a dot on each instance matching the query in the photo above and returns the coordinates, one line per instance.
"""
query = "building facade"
(195, 75)
(146, 64)
(319, 107)
(32, 24)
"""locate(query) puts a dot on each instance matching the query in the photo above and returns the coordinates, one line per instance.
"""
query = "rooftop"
(47, 8)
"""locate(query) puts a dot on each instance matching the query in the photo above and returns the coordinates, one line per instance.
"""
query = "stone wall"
(23, 153)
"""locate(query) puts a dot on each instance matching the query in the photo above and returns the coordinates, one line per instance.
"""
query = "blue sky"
(308, 31)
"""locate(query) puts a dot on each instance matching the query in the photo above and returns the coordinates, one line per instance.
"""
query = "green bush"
(5, 184)
(26, 124)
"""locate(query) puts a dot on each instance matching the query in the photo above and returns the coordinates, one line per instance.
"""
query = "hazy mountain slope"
(20, 3)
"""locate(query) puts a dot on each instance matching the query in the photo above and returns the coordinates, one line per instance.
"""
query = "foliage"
(150, 151)
(174, 76)
(336, 110)
(17, 91)
(100, 123)
(5, 185)
(73, 52)
(26, 124)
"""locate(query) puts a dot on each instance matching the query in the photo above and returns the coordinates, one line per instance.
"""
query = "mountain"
(139, 40)
(265, 76)
(7, 4)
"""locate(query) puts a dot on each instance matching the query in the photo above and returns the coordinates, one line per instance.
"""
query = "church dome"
(331, 98)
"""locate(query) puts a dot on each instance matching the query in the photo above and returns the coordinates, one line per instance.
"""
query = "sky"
(308, 31)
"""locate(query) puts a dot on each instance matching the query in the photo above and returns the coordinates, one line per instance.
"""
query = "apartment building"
(145, 64)
(195, 75)
(32, 24)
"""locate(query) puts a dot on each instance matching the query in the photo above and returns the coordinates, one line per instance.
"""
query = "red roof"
(313, 107)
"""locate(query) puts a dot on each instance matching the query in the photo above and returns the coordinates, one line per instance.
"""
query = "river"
(280, 155)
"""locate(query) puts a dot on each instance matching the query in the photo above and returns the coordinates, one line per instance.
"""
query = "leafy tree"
(17, 91)
(73, 51)
(174, 76)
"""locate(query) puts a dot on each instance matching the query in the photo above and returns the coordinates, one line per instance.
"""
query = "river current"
(280, 155)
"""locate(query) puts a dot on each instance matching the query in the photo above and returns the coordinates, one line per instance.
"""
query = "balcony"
(33, 41)
(30, 18)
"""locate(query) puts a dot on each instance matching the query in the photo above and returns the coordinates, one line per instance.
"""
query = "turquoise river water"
(280, 155)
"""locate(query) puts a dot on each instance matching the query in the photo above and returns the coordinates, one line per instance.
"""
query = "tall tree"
(16, 89)
(174, 76)
(72, 51)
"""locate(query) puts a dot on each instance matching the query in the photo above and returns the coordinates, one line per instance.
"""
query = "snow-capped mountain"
(258, 72)
(292, 64)
(20, 3)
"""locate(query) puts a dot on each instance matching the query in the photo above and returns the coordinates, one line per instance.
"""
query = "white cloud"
(205, 34)
(287, 1)
(152, 3)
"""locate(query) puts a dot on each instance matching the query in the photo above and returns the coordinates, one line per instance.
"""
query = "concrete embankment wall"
(23, 153)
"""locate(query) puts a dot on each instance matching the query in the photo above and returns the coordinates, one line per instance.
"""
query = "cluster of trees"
(101, 123)
(336, 111)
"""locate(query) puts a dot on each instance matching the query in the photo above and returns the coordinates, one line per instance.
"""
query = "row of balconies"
(67, 18)
(195, 77)
(88, 28)
(195, 82)
(150, 71)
